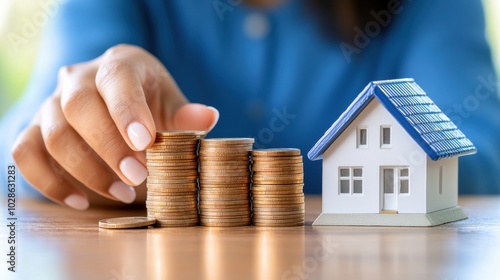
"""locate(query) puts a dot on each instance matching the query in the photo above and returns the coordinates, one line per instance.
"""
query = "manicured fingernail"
(133, 170)
(122, 191)
(77, 202)
(216, 117)
(139, 135)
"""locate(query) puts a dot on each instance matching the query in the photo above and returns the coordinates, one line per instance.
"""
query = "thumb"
(193, 116)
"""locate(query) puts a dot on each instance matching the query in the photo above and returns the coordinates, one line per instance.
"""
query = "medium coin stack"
(277, 187)
(172, 190)
(225, 181)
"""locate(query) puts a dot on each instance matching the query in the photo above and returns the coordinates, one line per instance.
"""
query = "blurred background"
(22, 23)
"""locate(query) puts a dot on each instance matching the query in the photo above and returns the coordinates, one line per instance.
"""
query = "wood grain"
(59, 243)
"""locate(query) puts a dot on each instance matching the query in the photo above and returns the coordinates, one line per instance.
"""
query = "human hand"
(90, 134)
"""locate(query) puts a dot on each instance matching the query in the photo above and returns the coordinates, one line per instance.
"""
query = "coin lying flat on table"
(126, 222)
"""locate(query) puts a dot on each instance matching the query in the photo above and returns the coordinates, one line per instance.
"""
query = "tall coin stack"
(277, 187)
(225, 181)
(172, 191)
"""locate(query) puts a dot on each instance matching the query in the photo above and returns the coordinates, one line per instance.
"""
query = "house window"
(396, 180)
(404, 181)
(362, 137)
(385, 136)
(351, 180)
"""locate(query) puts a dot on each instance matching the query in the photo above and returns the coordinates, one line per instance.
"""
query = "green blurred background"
(17, 54)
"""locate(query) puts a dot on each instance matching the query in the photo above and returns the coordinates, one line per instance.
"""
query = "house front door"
(389, 196)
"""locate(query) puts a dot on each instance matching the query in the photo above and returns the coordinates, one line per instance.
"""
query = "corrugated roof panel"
(414, 110)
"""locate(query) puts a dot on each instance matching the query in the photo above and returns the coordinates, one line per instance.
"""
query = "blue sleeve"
(79, 31)
(447, 53)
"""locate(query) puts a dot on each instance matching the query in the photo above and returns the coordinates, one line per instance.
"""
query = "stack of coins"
(172, 189)
(225, 181)
(277, 187)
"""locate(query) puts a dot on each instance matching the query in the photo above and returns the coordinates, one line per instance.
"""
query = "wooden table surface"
(59, 243)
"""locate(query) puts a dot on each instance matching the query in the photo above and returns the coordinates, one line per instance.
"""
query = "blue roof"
(433, 131)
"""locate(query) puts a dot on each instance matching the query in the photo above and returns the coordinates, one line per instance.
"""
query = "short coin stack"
(277, 187)
(225, 181)
(172, 190)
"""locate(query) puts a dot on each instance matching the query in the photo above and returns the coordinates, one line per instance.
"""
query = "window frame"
(382, 144)
(350, 179)
(401, 178)
(358, 137)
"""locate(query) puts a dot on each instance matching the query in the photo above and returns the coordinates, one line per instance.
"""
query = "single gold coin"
(225, 224)
(172, 211)
(259, 173)
(230, 181)
(277, 170)
(191, 155)
(164, 197)
(246, 219)
(237, 203)
(177, 223)
(173, 181)
(224, 151)
(228, 177)
(229, 219)
(270, 224)
(170, 190)
(264, 193)
(278, 208)
(226, 171)
(162, 204)
(280, 222)
(224, 186)
(171, 157)
(224, 167)
(281, 160)
(225, 163)
(171, 165)
(214, 204)
(224, 197)
(278, 187)
(280, 181)
(174, 170)
(224, 214)
(277, 199)
(227, 141)
(279, 196)
(276, 216)
(172, 216)
(126, 222)
(229, 190)
(216, 158)
(175, 173)
(175, 144)
(278, 152)
(271, 166)
(278, 213)
(179, 133)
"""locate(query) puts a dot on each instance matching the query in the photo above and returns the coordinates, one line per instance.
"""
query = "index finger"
(127, 83)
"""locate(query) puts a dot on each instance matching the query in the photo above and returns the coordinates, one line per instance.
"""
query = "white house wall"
(449, 180)
(344, 152)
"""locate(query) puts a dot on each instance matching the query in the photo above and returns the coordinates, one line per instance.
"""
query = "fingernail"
(133, 170)
(77, 202)
(139, 135)
(122, 191)
(216, 117)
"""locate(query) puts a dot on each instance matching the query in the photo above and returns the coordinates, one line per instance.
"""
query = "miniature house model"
(391, 159)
